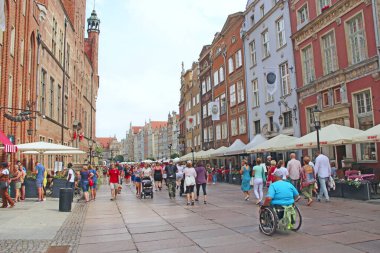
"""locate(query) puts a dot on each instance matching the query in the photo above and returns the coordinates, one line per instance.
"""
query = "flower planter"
(338, 192)
(361, 193)
(57, 185)
(30, 188)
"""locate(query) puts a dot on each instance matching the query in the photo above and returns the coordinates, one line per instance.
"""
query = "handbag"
(91, 182)
(4, 184)
(251, 182)
(189, 181)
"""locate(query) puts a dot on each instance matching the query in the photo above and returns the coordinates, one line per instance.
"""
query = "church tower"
(93, 23)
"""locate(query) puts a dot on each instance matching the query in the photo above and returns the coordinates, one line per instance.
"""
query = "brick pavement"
(225, 224)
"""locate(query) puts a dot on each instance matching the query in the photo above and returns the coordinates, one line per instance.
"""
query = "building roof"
(136, 129)
(105, 141)
(158, 124)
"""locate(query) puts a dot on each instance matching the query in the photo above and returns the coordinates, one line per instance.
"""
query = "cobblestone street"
(225, 224)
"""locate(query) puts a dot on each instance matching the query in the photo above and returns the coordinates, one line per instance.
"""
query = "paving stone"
(369, 247)
(156, 236)
(123, 245)
(351, 237)
(114, 231)
(163, 244)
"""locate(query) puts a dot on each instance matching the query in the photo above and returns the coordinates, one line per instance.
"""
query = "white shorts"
(114, 186)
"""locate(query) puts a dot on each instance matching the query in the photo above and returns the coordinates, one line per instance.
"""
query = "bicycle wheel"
(298, 222)
(268, 221)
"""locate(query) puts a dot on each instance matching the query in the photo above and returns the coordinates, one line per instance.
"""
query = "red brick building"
(337, 68)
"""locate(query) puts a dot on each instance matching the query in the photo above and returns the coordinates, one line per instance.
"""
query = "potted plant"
(59, 181)
(30, 185)
(356, 189)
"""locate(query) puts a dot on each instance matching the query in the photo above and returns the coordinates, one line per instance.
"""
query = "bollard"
(65, 199)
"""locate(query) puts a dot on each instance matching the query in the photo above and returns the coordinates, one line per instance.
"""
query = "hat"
(278, 173)
(269, 157)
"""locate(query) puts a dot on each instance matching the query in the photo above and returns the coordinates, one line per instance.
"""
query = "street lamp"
(90, 145)
(170, 150)
(317, 123)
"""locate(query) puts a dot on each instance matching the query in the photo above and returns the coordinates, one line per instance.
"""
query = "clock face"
(271, 78)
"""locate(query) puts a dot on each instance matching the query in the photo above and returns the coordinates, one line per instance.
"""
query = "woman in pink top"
(190, 175)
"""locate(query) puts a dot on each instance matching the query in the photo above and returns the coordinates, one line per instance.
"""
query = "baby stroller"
(147, 187)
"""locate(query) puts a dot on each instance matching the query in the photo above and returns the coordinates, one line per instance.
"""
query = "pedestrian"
(209, 171)
(322, 170)
(121, 172)
(333, 170)
(214, 175)
(114, 179)
(258, 173)
(171, 172)
(147, 171)
(39, 170)
(245, 172)
(94, 175)
(180, 178)
(294, 170)
(268, 163)
(4, 186)
(282, 169)
(23, 175)
(271, 170)
(15, 177)
(157, 176)
(84, 176)
(138, 174)
(307, 180)
(127, 174)
(201, 181)
(70, 179)
(190, 175)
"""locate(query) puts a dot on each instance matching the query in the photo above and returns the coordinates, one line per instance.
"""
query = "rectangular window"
(51, 98)
(230, 65)
(252, 52)
(232, 95)
(13, 37)
(204, 111)
(325, 99)
(356, 39)
(271, 127)
(59, 103)
(262, 10)
(364, 103)
(255, 95)
(209, 108)
(242, 124)
(54, 37)
(234, 127)
(308, 65)
(323, 5)
(43, 92)
(224, 130)
(265, 44)
(257, 127)
(240, 92)
(208, 83)
(367, 152)
(197, 98)
(65, 111)
(285, 79)
(221, 73)
(337, 96)
(238, 59)
(24, 7)
(10, 91)
(216, 78)
(329, 53)
(302, 15)
(223, 104)
(205, 135)
(288, 120)
(268, 96)
(218, 132)
(281, 38)
(203, 87)
(210, 133)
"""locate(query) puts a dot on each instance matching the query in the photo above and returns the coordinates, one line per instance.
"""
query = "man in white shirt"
(294, 170)
(322, 169)
(70, 176)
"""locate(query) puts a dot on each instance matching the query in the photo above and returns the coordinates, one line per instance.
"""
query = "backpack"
(171, 171)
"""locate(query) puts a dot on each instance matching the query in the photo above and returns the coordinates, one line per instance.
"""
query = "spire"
(93, 22)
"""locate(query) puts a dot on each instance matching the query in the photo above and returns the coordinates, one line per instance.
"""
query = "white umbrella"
(273, 144)
(257, 139)
(199, 155)
(370, 135)
(41, 147)
(238, 147)
(218, 152)
(331, 135)
(206, 154)
(63, 152)
(147, 161)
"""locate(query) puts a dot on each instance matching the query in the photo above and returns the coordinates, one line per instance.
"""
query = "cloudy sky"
(142, 45)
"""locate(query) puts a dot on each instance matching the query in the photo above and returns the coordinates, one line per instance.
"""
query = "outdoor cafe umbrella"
(237, 148)
(331, 135)
(218, 152)
(206, 154)
(42, 147)
(198, 155)
(257, 139)
(370, 135)
(273, 144)
(62, 152)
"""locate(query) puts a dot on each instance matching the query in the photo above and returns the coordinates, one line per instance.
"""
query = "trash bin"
(65, 199)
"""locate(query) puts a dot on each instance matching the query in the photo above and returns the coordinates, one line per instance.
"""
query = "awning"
(274, 144)
(237, 148)
(8, 145)
(370, 135)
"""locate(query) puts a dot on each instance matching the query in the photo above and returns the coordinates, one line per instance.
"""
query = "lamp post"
(170, 150)
(317, 124)
(90, 145)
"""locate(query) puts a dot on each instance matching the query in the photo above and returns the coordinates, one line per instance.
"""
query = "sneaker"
(188, 203)
(205, 202)
(192, 203)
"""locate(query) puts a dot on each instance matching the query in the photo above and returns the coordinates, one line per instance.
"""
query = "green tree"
(173, 156)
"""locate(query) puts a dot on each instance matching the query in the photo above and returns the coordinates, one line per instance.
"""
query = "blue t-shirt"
(282, 193)
(84, 176)
(40, 172)
(95, 178)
